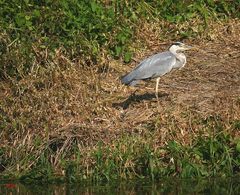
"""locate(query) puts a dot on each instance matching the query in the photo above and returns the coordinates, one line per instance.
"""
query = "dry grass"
(57, 105)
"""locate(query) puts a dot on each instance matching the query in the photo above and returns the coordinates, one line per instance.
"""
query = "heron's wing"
(154, 66)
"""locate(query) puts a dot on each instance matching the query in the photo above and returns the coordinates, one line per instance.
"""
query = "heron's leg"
(158, 79)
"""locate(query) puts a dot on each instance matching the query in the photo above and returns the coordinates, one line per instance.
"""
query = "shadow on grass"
(133, 98)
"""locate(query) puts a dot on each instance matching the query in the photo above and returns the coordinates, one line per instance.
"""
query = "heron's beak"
(187, 47)
(195, 48)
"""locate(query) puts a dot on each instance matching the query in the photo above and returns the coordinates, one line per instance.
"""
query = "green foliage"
(42, 171)
(215, 156)
(86, 28)
(83, 28)
(135, 157)
(236, 124)
(3, 159)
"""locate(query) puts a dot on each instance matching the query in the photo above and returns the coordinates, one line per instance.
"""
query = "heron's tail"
(128, 80)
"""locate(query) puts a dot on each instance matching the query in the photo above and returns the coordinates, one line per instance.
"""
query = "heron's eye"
(177, 43)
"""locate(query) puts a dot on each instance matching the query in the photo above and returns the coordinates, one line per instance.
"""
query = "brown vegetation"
(64, 102)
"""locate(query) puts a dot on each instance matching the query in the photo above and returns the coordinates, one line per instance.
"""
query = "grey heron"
(158, 65)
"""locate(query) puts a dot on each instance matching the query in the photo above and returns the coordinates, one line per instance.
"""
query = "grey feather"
(155, 66)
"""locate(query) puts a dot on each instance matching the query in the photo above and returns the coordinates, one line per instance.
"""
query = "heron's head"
(178, 47)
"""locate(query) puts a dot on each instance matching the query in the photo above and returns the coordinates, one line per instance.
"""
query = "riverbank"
(68, 116)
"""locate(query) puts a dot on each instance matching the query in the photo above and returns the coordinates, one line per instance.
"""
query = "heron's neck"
(180, 56)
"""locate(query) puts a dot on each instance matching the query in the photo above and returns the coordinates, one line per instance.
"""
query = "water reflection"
(168, 186)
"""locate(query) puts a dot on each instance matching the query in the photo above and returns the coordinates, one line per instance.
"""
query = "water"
(167, 186)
